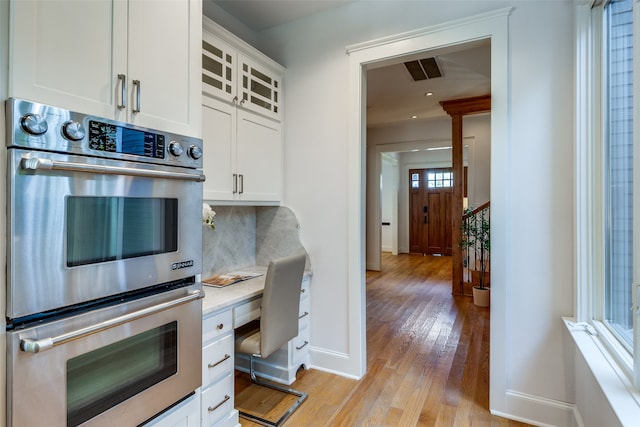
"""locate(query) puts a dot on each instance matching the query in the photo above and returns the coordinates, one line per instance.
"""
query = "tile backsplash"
(246, 236)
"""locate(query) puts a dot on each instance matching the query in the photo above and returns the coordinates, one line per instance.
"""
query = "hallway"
(427, 356)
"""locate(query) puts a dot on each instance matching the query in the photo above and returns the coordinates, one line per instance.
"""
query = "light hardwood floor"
(427, 357)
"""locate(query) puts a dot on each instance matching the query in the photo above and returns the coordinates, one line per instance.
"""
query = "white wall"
(389, 201)
(535, 181)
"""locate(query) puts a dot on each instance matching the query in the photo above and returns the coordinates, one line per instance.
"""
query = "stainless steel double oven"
(103, 245)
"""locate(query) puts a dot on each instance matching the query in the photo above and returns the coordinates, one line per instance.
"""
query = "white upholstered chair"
(278, 324)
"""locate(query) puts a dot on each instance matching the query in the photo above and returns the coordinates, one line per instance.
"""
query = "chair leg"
(302, 396)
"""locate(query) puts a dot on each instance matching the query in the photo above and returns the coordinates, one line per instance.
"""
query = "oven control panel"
(47, 128)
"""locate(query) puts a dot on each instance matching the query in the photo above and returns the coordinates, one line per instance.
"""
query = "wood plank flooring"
(427, 357)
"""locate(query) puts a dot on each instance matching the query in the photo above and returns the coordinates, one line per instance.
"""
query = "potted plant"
(476, 236)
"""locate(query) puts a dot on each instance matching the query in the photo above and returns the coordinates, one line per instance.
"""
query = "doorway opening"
(491, 26)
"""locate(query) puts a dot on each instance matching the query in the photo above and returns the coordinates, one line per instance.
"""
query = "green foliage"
(476, 236)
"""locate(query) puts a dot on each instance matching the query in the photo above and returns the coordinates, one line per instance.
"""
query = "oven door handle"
(35, 346)
(36, 163)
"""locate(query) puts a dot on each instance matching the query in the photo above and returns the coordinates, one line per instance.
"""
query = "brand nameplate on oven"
(182, 264)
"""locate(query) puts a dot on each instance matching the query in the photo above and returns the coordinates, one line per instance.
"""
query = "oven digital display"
(119, 139)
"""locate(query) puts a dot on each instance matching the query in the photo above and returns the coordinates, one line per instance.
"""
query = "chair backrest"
(281, 303)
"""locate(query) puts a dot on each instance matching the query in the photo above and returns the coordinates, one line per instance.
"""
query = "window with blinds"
(618, 147)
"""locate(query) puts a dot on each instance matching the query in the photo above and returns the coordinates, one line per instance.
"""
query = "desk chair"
(278, 324)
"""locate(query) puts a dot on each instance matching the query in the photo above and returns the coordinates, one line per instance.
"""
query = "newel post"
(457, 109)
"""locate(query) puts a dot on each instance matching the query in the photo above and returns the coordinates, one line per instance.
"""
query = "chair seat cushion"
(247, 339)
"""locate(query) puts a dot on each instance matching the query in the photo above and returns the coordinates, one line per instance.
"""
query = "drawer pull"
(302, 346)
(225, 358)
(306, 313)
(213, 408)
(220, 326)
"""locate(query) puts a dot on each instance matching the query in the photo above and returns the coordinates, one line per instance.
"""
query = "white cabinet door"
(260, 88)
(218, 140)
(259, 152)
(219, 71)
(68, 53)
(242, 154)
(165, 39)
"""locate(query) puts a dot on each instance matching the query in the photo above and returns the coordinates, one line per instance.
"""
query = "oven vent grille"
(423, 69)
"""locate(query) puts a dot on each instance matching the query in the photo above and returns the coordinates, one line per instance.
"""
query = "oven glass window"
(101, 229)
(105, 377)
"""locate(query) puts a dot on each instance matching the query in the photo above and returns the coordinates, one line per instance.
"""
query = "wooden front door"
(430, 195)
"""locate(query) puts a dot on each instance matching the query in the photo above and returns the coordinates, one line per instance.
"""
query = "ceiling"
(392, 95)
(260, 15)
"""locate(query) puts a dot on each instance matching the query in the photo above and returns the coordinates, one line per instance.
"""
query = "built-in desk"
(235, 296)
(225, 309)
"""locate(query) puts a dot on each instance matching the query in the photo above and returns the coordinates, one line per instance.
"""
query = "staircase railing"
(476, 256)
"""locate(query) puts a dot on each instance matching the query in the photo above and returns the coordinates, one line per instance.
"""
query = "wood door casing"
(429, 214)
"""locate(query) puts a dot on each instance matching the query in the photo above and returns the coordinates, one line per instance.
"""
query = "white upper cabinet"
(240, 74)
(134, 61)
(242, 128)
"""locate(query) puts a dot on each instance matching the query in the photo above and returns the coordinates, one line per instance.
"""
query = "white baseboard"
(538, 411)
(334, 363)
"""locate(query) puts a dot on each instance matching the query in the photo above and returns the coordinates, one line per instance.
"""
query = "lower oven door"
(119, 365)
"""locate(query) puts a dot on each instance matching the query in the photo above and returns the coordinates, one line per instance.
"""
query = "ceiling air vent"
(423, 69)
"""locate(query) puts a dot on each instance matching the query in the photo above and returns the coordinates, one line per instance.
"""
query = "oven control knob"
(73, 131)
(34, 124)
(195, 152)
(175, 148)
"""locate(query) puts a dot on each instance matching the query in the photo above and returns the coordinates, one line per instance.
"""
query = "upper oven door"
(83, 228)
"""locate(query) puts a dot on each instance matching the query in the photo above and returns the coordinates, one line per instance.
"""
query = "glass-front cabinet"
(242, 120)
(235, 77)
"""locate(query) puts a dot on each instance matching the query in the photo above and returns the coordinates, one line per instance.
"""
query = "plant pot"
(481, 297)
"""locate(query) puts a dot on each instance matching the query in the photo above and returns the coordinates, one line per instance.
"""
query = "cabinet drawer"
(217, 401)
(300, 345)
(303, 315)
(216, 325)
(304, 290)
(184, 414)
(246, 312)
(217, 360)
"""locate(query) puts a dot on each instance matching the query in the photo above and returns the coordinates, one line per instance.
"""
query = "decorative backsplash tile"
(246, 236)
(232, 244)
(277, 234)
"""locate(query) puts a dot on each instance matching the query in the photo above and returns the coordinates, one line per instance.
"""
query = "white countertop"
(219, 298)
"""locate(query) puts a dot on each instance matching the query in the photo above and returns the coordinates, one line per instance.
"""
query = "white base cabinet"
(184, 414)
(283, 364)
(217, 392)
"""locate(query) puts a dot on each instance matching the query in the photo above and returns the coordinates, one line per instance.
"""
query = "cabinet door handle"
(213, 408)
(123, 91)
(136, 83)
(302, 346)
(306, 313)
(241, 184)
(235, 183)
(225, 358)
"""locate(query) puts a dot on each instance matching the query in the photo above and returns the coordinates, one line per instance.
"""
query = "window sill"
(616, 386)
